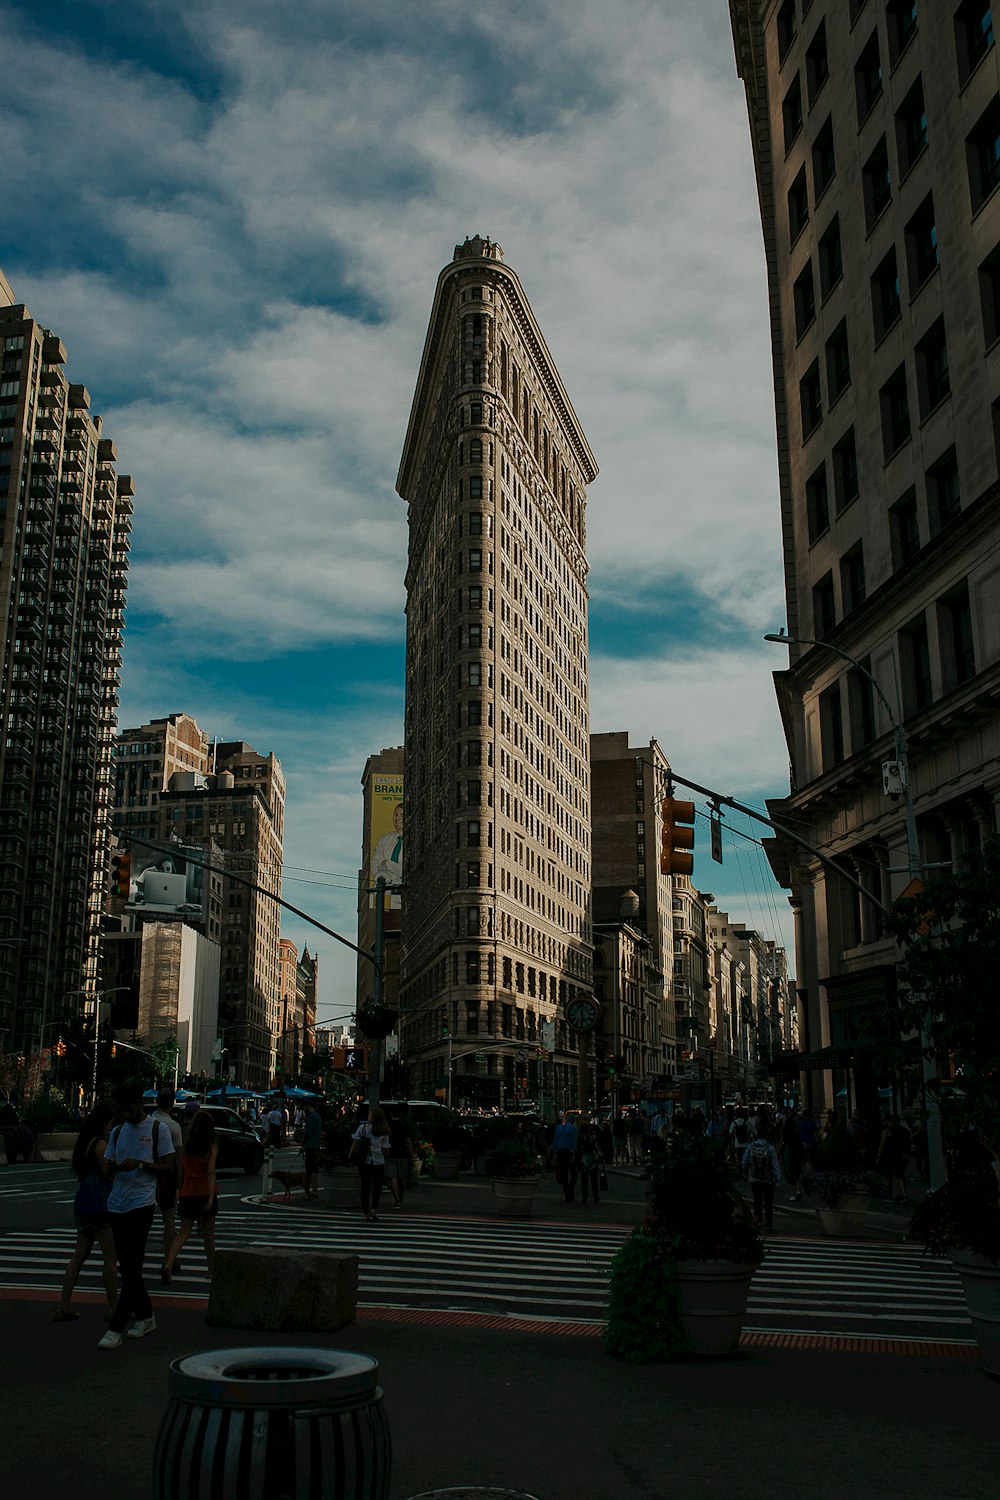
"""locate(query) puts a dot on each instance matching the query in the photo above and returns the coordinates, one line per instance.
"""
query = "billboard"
(386, 848)
(165, 882)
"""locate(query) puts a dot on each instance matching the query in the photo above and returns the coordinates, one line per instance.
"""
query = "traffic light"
(445, 1027)
(60, 1048)
(678, 839)
(121, 874)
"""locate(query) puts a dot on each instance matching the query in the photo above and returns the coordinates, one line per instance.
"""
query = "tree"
(950, 941)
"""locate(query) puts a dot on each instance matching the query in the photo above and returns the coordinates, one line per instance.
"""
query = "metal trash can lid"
(473, 1492)
(279, 1377)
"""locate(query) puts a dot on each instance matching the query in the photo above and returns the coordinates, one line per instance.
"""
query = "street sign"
(479, 1057)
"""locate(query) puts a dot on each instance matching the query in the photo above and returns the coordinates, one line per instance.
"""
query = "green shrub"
(643, 1323)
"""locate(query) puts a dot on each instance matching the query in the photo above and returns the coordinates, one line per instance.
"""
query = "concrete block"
(283, 1290)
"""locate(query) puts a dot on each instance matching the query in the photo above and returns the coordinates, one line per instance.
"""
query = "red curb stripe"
(858, 1344)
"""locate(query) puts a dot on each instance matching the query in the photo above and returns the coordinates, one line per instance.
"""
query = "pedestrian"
(312, 1140)
(369, 1145)
(793, 1155)
(635, 1138)
(619, 1136)
(166, 1182)
(588, 1163)
(564, 1144)
(276, 1126)
(809, 1135)
(134, 1155)
(90, 1211)
(401, 1158)
(739, 1135)
(199, 1194)
(763, 1172)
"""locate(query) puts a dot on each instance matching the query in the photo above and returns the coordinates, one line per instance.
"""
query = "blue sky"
(234, 217)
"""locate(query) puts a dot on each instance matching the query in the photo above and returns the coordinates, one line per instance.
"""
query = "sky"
(234, 217)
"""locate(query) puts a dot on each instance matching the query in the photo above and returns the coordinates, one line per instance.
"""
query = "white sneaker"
(111, 1340)
(141, 1328)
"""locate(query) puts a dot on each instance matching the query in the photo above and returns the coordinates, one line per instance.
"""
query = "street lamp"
(896, 778)
(99, 997)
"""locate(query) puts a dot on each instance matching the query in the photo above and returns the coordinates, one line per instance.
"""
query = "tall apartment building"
(876, 139)
(496, 920)
(628, 785)
(65, 519)
(164, 792)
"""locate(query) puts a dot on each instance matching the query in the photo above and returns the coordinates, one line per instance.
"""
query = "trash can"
(273, 1424)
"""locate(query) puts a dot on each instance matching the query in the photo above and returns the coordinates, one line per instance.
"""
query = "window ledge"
(880, 338)
(835, 399)
(915, 162)
(891, 457)
(926, 282)
(825, 188)
(863, 119)
(964, 84)
(871, 228)
(929, 416)
(903, 51)
(811, 101)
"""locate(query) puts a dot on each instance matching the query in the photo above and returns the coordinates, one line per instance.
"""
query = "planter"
(980, 1278)
(340, 1187)
(447, 1164)
(514, 1195)
(848, 1218)
(712, 1303)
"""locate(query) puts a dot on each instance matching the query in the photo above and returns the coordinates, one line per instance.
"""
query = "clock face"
(582, 1014)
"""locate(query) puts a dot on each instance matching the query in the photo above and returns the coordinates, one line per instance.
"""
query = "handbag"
(360, 1150)
(603, 1179)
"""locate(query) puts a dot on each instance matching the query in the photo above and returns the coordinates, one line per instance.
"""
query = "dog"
(291, 1180)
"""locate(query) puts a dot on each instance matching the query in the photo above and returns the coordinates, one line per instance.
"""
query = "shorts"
(311, 1157)
(201, 1207)
(91, 1224)
(166, 1198)
(397, 1168)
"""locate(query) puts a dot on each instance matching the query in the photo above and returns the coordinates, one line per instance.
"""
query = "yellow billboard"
(386, 852)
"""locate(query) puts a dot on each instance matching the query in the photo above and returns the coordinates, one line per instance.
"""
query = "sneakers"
(166, 1274)
(111, 1340)
(62, 1314)
(141, 1328)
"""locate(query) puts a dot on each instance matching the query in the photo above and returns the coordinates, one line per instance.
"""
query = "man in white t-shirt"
(166, 1185)
(133, 1161)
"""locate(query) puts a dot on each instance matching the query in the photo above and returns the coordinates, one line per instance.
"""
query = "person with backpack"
(739, 1134)
(136, 1153)
(167, 1182)
(763, 1172)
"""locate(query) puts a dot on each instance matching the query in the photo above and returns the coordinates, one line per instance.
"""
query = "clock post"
(582, 1013)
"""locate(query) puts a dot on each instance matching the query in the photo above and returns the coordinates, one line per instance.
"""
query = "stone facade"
(496, 919)
(876, 136)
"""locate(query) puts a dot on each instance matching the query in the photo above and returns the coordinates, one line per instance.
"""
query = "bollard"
(273, 1424)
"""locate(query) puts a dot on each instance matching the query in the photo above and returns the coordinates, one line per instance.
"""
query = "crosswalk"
(543, 1271)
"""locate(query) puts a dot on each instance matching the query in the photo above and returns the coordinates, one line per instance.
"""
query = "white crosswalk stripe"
(820, 1287)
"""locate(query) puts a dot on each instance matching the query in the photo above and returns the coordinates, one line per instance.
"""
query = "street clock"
(583, 1013)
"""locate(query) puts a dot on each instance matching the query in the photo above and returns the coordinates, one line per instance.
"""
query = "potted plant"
(949, 936)
(513, 1165)
(842, 1183)
(679, 1284)
(376, 1021)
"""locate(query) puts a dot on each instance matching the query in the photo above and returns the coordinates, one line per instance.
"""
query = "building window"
(817, 63)
(846, 484)
(855, 8)
(474, 595)
(894, 404)
(474, 636)
(973, 35)
(983, 153)
(877, 184)
(824, 607)
(852, 578)
(824, 159)
(901, 20)
(472, 1020)
(475, 674)
(474, 713)
(861, 701)
(933, 380)
(475, 451)
(915, 661)
(944, 498)
(838, 362)
(475, 561)
(472, 920)
(885, 295)
(831, 260)
(911, 128)
(904, 530)
(798, 206)
(472, 875)
(921, 245)
(831, 719)
(989, 293)
(805, 300)
(785, 28)
(472, 833)
(958, 655)
(476, 488)
(472, 967)
(475, 518)
(817, 504)
(868, 76)
(473, 793)
(791, 113)
(811, 400)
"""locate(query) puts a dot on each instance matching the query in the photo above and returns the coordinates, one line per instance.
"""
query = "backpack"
(741, 1131)
(760, 1163)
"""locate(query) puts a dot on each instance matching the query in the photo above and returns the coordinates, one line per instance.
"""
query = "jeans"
(590, 1178)
(763, 1203)
(131, 1231)
(567, 1173)
(372, 1178)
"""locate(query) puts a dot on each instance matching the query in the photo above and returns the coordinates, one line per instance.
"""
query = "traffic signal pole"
(376, 1044)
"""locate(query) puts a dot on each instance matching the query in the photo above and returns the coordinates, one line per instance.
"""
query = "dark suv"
(239, 1143)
